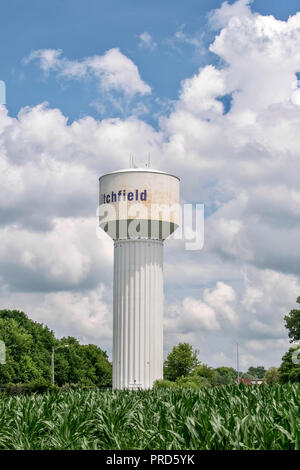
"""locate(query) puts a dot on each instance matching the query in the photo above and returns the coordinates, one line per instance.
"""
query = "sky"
(211, 91)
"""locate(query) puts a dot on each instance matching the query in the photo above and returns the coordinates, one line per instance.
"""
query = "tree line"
(29, 346)
(28, 350)
(183, 369)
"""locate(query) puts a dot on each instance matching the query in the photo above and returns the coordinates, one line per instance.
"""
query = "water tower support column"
(138, 313)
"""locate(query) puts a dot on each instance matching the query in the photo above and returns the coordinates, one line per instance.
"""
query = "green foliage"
(206, 372)
(292, 323)
(225, 375)
(219, 418)
(186, 382)
(256, 372)
(193, 381)
(164, 384)
(182, 382)
(82, 364)
(39, 386)
(28, 348)
(271, 376)
(181, 361)
(245, 375)
(289, 371)
(28, 356)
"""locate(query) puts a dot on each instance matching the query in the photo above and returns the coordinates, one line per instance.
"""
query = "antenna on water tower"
(131, 162)
(149, 163)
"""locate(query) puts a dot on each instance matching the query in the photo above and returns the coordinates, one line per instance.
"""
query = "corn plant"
(221, 418)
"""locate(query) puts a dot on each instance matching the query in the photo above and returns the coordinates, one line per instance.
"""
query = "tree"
(193, 381)
(82, 364)
(292, 323)
(289, 370)
(28, 355)
(271, 376)
(225, 375)
(245, 375)
(181, 361)
(256, 372)
(206, 372)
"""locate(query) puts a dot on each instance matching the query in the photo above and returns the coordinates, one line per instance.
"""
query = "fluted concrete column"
(138, 313)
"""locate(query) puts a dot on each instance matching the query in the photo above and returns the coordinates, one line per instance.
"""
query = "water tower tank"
(139, 209)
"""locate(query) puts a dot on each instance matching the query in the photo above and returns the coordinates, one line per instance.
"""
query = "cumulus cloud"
(85, 314)
(220, 17)
(200, 313)
(49, 59)
(209, 313)
(222, 299)
(65, 257)
(45, 177)
(246, 156)
(199, 93)
(242, 162)
(113, 70)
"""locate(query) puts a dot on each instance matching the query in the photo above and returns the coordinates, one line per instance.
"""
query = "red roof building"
(247, 381)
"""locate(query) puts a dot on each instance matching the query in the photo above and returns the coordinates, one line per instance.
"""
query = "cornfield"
(230, 417)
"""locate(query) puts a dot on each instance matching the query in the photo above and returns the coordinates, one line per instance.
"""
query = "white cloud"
(49, 59)
(44, 177)
(113, 70)
(222, 300)
(198, 315)
(220, 17)
(264, 288)
(66, 257)
(259, 345)
(182, 37)
(247, 359)
(201, 314)
(243, 164)
(87, 315)
(248, 157)
(199, 93)
(221, 358)
(263, 56)
(146, 41)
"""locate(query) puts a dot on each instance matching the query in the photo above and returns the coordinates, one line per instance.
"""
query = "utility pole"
(238, 362)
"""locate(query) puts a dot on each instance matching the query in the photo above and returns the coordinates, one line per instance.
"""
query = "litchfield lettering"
(123, 195)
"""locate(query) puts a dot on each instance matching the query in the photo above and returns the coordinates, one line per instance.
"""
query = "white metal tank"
(139, 209)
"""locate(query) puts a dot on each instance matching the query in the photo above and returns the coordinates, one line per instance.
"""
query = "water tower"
(139, 209)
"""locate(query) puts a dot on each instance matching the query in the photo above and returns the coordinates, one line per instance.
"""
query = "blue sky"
(85, 28)
(211, 91)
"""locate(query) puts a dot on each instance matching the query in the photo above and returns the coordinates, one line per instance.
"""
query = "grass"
(230, 417)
